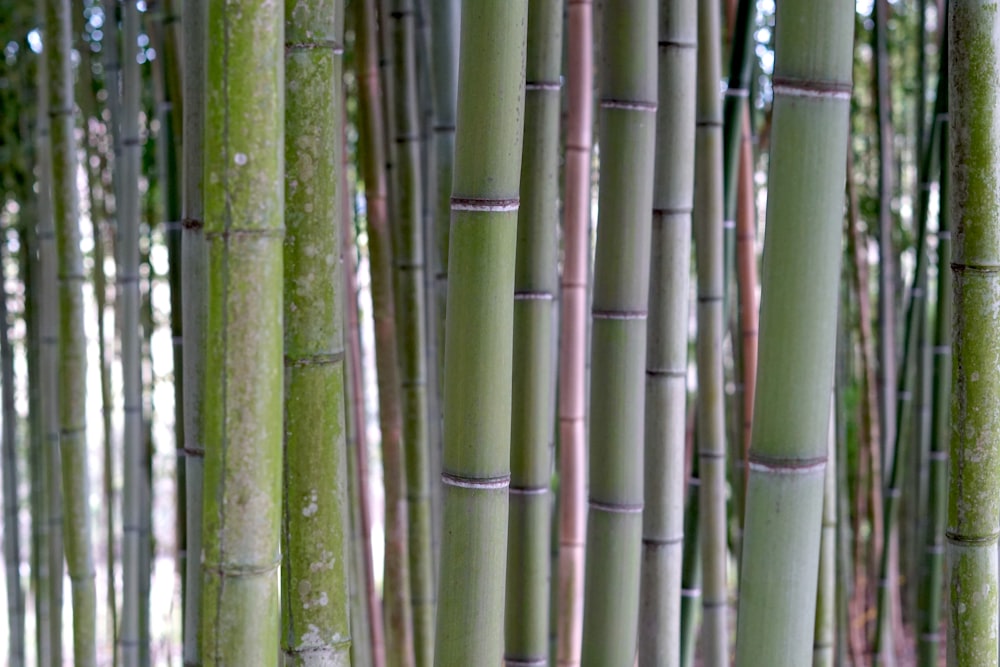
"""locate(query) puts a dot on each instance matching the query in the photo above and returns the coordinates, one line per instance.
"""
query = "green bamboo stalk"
(526, 627)
(408, 259)
(812, 83)
(478, 341)
(11, 541)
(48, 314)
(128, 285)
(315, 590)
(932, 571)
(244, 216)
(708, 225)
(691, 571)
(573, 298)
(72, 363)
(666, 351)
(628, 86)
(193, 307)
(974, 501)
(826, 590)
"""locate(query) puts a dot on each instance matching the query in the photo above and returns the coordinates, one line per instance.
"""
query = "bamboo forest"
(460, 333)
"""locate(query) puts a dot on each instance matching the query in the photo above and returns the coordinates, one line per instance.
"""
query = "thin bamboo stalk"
(691, 570)
(628, 85)
(243, 399)
(826, 591)
(478, 342)
(72, 362)
(572, 399)
(974, 204)
(535, 283)
(812, 83)
(666, 345)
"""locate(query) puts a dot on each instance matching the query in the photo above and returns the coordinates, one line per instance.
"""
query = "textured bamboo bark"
(628, 86)
(478, 341)
(315, 574)
(533, 407)
(826, 590)
(372, 151)
(408, 260)
(711, 420)
(573, 333)
(11, 533)
(932, 571)
(244, 217)
(193, 306)
(128, 285)
(48, 352)
(72, 364)
(974, 501)
(666, 345)
(812, 83)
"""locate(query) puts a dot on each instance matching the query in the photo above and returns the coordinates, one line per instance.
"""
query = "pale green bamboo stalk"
(48, 314)
(826, 590)
(572, 393)
(315, 590)
(974, 205)
(812, 84)
(193, 307)
(72, 365)
(244, 218)
(526, 614)
(711, 420)
(11, 541)
(628, 86)
(666, 347)
(408, 260)
(478, 342)
(691, 572)
(128, 285)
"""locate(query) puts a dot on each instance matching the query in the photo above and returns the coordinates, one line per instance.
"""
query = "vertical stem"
(826, 592)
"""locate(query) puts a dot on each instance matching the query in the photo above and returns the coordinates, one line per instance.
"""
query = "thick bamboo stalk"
(974, 208)
(128, 285)
(194, 283)
(372, 150)
(408, 260)
(72, 363)
(711, 424)
(478, 341)
(533, 408)
(573, 332)
(812, 83)
(667, 338)
(628, 86)
(826, 590)
(244, 218)
(315, 574)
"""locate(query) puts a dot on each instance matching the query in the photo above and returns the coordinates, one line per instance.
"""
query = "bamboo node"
(619, 314)
(484, 205)
(972, 540)
(789, 87)
(629, 105)
(501, 482)
(615, 508)
(526, 295)
(787, 466)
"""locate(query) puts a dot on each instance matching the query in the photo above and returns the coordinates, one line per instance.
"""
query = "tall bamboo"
(48, 314)
(533, 407)
(932, 569)
(128, 284)
(372, 152)
(666, 345)
(573, 331)
(628, 86)
(193, 306)
(826, 591)
(72, 343)
(711, 420)
(244, 217)
(11, 533)
(478, 341)
(812, 84)
(974, 501)
(408, 259)
(691, 571)
(316, 607)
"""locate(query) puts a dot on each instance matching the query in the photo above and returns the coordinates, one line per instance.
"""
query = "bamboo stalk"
(573, 333)
(826, 592)
(812, 83)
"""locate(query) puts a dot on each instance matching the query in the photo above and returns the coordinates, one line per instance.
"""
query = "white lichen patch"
(326, 562)
(240, 159)
(312, 505)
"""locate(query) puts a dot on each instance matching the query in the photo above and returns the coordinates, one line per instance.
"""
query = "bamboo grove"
(436, 333)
